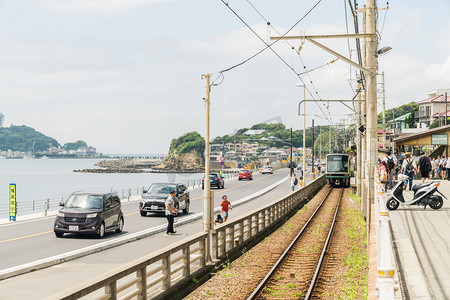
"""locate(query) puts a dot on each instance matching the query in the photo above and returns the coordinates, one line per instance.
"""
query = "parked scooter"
(423, 194)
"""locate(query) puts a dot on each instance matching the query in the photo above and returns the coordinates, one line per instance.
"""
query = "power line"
(270, 47)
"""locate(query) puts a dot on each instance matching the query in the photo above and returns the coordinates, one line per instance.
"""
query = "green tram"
(338, 170)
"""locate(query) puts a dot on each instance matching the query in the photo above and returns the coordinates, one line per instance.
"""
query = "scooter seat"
(418, 186)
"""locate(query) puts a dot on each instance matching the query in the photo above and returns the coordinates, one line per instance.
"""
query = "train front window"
(337, 164)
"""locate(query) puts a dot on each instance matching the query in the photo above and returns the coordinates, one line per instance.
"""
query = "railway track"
(296, 272)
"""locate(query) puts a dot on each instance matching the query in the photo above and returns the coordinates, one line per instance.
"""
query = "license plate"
(154, 207)
(73, 228)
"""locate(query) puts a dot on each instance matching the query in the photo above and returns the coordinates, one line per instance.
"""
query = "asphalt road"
(28, 241)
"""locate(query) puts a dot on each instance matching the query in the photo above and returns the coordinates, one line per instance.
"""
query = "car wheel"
(143, 213)
(240, 178)
(203, 186)
(120, 225)
(223, 186)
(59, 234)
(101, 230)
(186, 209)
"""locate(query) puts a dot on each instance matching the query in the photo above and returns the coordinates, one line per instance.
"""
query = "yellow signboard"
(12, 202)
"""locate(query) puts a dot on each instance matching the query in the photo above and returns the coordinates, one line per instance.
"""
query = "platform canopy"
(437, 137)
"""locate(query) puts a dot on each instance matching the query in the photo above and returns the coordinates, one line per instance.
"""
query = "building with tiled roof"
(433, 107)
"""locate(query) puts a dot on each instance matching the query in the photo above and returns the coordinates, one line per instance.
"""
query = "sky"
(125, 76)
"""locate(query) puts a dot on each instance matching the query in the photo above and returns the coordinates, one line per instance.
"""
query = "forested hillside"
(21, 138)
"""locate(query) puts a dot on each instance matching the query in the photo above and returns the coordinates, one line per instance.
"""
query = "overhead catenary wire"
(269, 46)
(301, 60)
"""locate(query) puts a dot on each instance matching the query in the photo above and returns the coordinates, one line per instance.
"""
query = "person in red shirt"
(225, 205)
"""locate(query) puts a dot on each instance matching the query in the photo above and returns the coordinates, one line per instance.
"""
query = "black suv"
(89, 213)
(214, 180)
(154, 198)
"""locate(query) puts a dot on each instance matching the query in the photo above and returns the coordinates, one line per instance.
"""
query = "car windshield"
(161, 188)
(245, 171)
(213, 176)
(84, 201)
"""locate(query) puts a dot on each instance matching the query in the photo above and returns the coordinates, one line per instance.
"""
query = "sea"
(38, 179)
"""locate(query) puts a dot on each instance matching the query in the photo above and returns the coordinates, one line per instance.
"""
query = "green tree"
(22, 138)
(74, 146)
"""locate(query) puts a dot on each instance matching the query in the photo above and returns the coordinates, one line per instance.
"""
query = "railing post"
(202, 260)
(111, 290)
(214, 244)
(129, 194)
(142, 285)
(187, 261)
(46, 206)
(166, 272)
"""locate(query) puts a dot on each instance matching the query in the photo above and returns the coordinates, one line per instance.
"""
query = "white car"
(267, 169)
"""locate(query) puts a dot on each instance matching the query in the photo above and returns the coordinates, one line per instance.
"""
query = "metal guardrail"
(385, 282)
(156, 273)
(52, 204)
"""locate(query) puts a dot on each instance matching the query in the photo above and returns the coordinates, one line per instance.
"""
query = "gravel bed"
(239, 278)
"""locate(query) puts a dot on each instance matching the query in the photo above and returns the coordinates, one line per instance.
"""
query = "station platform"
(421, 244)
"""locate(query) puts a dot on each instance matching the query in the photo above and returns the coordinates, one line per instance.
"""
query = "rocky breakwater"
(181, 163)
(129, 165)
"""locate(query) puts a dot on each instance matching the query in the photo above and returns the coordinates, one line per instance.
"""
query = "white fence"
(385, 282)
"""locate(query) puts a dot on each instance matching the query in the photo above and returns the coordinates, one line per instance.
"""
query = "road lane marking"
(133, 213)
(222, 191)
(26, 236)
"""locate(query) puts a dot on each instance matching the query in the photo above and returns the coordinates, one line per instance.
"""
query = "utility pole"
(207, 199)
(291, 165)
(371, 107)
(383, 95)
(358, 138)
(312, 153)
(445, 97)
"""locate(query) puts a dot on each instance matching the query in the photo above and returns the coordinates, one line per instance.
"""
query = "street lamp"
(304, 126)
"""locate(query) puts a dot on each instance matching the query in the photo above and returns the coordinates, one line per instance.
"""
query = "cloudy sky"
(125, 76)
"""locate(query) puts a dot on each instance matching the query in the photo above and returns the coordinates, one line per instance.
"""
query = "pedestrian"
(225, 206)
(383, 173)
(391, 162)
(447, 168)
(218, 219)
(439, 167)
(424, 167)
(434, 168)
(170, 212)
(294, 182)
(409, 168)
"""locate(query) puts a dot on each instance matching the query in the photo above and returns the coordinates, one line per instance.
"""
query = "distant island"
(26, 142)
(186, 155)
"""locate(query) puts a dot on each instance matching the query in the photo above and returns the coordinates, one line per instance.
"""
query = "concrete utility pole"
(371, 85)
(208, 199)
(312, 154)
(358, 138)
(445, 97)
(383, 95)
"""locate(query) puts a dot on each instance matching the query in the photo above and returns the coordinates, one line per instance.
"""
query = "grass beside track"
(357, 262)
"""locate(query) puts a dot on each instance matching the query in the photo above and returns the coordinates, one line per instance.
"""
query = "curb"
(68, 256)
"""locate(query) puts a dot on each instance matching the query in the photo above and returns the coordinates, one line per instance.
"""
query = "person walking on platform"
(424, 167)
(170, 212)
(409, 168)
(447, 168)
(225, 206)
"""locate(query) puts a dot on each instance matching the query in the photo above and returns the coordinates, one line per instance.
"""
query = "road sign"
(221, 163)
(439, 139)
(12, 202)
(222, 158)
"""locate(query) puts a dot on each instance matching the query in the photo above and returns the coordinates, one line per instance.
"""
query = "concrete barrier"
(173, 270)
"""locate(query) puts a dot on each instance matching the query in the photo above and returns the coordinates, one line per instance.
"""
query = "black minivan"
(89, 213)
